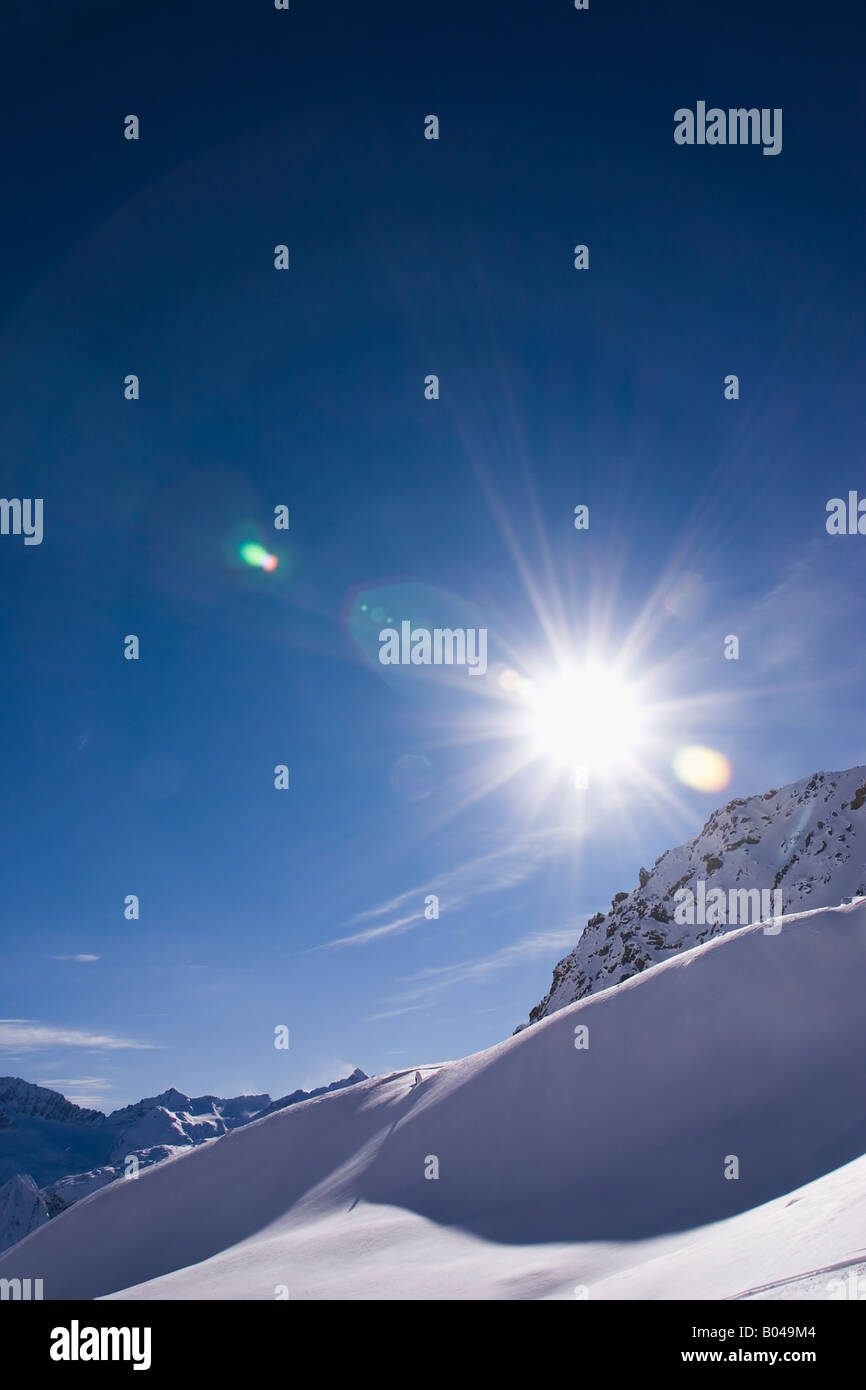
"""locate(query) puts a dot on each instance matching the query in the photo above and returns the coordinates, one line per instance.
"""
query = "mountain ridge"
(805, 841)
(590, 1153)
(54, 1152)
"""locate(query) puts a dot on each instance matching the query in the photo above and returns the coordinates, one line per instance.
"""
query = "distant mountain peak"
(53, 1152)
(29, 1099)
(296, 1097)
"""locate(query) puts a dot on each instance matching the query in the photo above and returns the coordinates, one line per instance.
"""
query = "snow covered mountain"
(53, 1152)
(806, 842)
(697, 1131)
(49, 1137)
(22, 1209)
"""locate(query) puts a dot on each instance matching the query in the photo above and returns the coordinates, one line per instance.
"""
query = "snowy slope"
(23, 1208)
(71, 1151)
(559, 1167)
(807, 840)
(49, 1137)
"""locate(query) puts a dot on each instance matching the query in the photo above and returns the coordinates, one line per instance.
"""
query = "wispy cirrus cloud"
(506, 867)
(79, 960)
(88, 1091)
(811, 609)
(393, 1013)
(434, 980)
(28, 1035)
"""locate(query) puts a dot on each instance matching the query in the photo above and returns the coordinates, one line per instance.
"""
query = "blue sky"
(305, 388)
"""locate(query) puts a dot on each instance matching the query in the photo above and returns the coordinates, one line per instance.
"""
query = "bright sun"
(586, 718)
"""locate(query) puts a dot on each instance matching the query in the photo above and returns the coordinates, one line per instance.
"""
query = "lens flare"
(412, 777)
(705, 769)
(686, 595)
(254, 554)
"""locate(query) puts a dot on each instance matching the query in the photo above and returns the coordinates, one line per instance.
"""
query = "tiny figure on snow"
(417, 1078)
